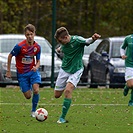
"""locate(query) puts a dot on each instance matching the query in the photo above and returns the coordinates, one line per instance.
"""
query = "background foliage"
(82, 17)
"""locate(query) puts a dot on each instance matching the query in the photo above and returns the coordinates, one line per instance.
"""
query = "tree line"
(81, 17)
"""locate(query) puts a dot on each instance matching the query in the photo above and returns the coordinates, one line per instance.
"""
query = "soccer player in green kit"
(126, 51)
(72, 66)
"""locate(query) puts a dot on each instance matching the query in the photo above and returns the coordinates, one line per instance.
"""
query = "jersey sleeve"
(15, 51)
(124, 44)
(81, 41)
(122, 51)
(38, 55)
(85, 41)
(89, 41)
(123, 47)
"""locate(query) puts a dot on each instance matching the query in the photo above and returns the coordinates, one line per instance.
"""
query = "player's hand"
(58, 50)
(34, 69)
(96, 36)
(8, 74)
(123, 57)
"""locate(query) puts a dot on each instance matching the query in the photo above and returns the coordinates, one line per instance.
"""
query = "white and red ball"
(41, 114)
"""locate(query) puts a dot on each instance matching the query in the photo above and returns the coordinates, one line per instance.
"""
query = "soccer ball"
(41, 114)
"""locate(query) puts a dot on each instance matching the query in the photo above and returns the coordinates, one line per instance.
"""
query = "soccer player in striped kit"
(27, 66)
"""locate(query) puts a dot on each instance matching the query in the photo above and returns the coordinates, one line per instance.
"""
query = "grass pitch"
(92, 111)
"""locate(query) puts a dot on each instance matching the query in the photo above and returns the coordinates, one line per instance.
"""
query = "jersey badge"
(35, 49)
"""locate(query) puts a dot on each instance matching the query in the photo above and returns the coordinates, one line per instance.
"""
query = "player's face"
(30, 37)
(63, 40)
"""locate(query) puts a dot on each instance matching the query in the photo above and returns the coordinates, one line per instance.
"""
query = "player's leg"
(66, 102)
(27, 94)
(129, 84)
(58, 93)
(59, 88)
(35, 97)
(126, 90)
(24, 85)
(131, 99)
(71, 85)
(60, 83)
(35, 80)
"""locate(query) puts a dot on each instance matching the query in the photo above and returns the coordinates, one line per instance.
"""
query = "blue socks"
(35, 100)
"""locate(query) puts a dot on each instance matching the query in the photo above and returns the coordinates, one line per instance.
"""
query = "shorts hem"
(59, 89)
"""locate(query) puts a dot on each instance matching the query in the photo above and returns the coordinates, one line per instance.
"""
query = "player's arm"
(93, 38)
(123, 50)
(58, 50)
(89, 41)
(35, 68)
(14, 52)
(8, 72)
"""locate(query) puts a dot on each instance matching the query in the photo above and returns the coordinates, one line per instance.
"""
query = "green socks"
(131, 98)
(65, 107)
(126, 89)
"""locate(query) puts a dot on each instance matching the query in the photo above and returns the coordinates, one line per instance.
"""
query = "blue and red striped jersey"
(25, 56)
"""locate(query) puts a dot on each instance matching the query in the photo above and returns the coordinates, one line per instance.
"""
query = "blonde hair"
(61, 32)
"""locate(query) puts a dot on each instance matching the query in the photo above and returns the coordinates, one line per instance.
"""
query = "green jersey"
(128, 46)
(73, 53)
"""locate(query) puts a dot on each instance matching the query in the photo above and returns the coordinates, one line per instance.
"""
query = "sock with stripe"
(65, 107)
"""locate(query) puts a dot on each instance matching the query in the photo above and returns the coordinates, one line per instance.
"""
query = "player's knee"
(57, 96)
(130, 85)
(36, 88)
(36, 91)
(28, 97)
(67, 92)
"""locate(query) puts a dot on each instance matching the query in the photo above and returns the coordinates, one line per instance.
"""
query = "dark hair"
(61, 32)
(30, 27)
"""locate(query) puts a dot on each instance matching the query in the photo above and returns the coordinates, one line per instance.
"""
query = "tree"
(82, 17)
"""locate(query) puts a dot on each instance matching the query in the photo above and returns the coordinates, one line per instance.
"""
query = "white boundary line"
(61, 104)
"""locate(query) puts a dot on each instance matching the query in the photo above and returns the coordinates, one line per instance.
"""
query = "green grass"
(92, 111)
